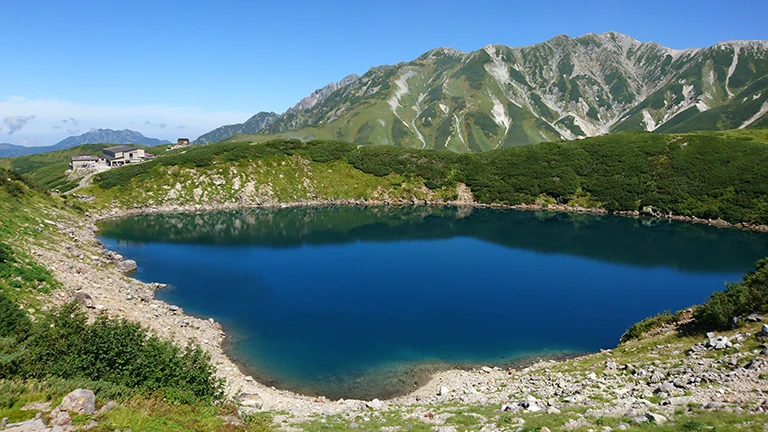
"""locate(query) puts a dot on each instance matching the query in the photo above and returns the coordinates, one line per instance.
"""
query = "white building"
(121, 155)
(84, 161)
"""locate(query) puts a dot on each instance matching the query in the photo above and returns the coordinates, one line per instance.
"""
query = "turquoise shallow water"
(360, 302)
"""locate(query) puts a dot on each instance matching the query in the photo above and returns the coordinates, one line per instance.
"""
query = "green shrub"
(740, 298)
(13, 321)
(119, 352)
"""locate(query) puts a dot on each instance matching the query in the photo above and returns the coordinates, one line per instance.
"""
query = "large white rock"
(79, 401)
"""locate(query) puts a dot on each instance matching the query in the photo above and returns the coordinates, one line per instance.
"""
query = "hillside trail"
(87, 180)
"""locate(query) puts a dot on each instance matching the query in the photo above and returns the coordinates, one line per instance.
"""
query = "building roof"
(85, 158)
(122, 148)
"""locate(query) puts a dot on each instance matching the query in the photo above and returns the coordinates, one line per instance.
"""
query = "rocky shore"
(647, 381)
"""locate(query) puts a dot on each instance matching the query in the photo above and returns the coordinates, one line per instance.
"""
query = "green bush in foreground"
(740, 298)
(111, 351)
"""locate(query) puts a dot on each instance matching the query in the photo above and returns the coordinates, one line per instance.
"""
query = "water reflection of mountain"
(607, 238)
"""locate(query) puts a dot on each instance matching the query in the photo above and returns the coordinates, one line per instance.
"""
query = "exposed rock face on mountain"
(98, 136)
(253, 125)
(320, 94)
(564, 88)
(291, 118)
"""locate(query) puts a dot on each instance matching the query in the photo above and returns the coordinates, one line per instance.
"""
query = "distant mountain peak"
(97, 136)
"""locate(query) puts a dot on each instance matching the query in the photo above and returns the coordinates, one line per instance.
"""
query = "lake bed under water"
(360, 302)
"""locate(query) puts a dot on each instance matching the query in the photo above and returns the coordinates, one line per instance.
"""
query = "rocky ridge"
(563, 88)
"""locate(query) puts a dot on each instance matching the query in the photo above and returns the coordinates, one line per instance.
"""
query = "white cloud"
(163, 119)
(15, 123)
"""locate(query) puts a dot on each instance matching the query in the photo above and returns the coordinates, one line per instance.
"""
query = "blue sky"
(172, 68)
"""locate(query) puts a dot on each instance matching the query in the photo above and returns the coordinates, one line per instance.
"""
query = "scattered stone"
(574, 424)
(714, 405)
(553, 410)
(754, 318)
(62, 419)
(35, 425)
(79, 401)
(109, 406)
(510, 408)
(443, 391)
(486, 369)
(656, 378)
(656, 418)
(667, 388)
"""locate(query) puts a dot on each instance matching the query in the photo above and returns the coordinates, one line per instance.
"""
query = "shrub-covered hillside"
(704, 175)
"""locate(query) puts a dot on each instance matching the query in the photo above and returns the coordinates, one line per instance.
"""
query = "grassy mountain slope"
(50, 169)
(708, 176)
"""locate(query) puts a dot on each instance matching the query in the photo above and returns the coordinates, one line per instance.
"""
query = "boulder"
(84, 299)
(754, 318)
(764, 330)
(667, 388)
(656, 418)
(443, 391)
(719, 342)
(681, 400)
(126, 266)
(250, 400)
(375, 404)
(79, 401)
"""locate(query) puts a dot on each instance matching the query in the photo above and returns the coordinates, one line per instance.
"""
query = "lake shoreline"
(117, 213)
(114, 293)
(401, 379)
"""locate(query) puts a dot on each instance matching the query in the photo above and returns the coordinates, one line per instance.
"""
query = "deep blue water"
(355, 302)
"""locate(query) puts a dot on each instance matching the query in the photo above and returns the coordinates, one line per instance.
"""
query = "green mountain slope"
(564, 88)
(705, 175)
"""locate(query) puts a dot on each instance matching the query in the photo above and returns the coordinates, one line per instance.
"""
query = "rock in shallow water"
(126, 266)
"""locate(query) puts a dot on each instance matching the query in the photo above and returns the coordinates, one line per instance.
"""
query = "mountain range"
(98, 136)
(564, 88)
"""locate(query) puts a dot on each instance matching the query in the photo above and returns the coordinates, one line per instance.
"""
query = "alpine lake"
(365, 302)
